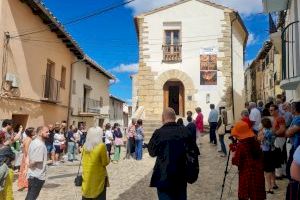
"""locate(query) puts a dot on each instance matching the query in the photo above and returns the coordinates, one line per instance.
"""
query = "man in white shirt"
(255, 117)
(37, 163)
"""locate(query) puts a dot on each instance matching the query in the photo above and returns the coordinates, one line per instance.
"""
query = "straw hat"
(242, 131)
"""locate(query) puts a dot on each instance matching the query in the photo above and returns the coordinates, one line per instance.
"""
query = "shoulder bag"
(78, 179)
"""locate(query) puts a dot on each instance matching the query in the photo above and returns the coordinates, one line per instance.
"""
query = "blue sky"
(111, 40)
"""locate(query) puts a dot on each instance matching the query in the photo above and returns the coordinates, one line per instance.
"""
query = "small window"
(63, 77)
(87, 73)
(74, 87)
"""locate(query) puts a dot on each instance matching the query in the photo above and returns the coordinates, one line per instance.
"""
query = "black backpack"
(192, 163)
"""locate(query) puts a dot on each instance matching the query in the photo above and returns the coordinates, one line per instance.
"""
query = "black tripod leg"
(225, 175)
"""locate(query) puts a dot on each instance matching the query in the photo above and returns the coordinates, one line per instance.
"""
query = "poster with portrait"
(208, 67)
(208, 77)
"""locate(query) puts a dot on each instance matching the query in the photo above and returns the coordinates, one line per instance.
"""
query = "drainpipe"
(232, 94)
(71, 89)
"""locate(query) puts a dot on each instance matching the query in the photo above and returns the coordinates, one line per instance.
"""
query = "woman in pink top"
(199, 121)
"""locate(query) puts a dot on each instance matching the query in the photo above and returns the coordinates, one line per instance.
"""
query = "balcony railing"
(51, 89)
(88, 105)
(172, 53)
(290, 45)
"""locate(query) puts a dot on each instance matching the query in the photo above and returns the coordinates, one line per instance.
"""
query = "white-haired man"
(255, 117)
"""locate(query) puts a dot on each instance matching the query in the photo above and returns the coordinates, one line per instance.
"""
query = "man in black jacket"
(168, 144)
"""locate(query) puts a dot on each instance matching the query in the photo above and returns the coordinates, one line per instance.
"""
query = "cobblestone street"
(129, 180)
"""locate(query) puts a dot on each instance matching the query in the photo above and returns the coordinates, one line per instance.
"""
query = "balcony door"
(172, 46)
(50, 71)
(86, 96)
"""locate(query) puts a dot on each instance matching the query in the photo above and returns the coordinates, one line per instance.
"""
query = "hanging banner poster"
(208, 66)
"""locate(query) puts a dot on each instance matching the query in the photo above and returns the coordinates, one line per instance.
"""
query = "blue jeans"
(212, 132)
(223, 147)
(175, 194)
(71, 150)
(139, 149)
(50, 148)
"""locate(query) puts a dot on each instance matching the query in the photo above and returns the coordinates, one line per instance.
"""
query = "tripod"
(225, 175)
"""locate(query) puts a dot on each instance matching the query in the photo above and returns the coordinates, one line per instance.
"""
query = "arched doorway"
(174, 96)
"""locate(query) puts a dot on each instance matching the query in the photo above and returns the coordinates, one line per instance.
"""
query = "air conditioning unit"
(13, 79)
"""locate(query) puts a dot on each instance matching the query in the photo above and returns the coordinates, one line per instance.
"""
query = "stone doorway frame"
(190, 91)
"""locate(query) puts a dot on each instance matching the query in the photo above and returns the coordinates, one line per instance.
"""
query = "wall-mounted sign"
(208, 67)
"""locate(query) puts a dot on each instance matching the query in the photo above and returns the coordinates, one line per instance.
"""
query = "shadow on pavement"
(140, 190)
(63, 176)
(51, 185)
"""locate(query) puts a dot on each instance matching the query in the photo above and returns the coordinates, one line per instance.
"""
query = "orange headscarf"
(242, 131)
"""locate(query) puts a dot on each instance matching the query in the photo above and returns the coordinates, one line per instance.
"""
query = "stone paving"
(129, 180)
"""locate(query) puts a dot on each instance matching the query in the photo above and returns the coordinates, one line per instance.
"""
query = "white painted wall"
(293, 14)
(238, 69)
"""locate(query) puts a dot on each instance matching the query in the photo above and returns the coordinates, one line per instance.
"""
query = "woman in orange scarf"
(249, 160)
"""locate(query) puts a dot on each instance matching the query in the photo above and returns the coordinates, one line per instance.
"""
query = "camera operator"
(247, 156)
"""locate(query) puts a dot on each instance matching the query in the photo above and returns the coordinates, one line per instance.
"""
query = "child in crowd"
(267, 139)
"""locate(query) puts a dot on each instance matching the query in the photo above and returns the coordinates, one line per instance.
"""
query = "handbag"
(221, 130)
(78, 180)
(119, 141)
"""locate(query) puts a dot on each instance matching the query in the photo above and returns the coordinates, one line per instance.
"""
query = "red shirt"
(278, 121)
(199, 122)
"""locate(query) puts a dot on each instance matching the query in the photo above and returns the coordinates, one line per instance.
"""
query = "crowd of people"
(266, 144)
(267, 148)
(22, 152)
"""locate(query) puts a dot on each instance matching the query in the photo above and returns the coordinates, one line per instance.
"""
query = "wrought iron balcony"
(88, 105)
(172, 53)
(290, 58)
(51, 89)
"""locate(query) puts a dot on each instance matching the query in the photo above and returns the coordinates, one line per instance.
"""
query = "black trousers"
(212, 132)
(172, 194)
(34, 187)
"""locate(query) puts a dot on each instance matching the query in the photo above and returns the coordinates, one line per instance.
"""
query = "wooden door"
(174, 96)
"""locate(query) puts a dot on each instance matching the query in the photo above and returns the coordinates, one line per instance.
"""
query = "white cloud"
(245, 7)
(252, 39)
(114, 81)
(140, 6)
(126, 68)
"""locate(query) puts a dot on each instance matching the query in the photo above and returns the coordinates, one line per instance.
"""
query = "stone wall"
(144, 79)
(224, 58)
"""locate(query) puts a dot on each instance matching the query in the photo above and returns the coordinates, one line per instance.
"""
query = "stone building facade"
(191, 52)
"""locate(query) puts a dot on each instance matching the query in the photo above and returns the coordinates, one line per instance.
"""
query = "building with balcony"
(118, 111)
(90, 94)
(262, 75)
(37, 59)
(286, 39)
(191, 52)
